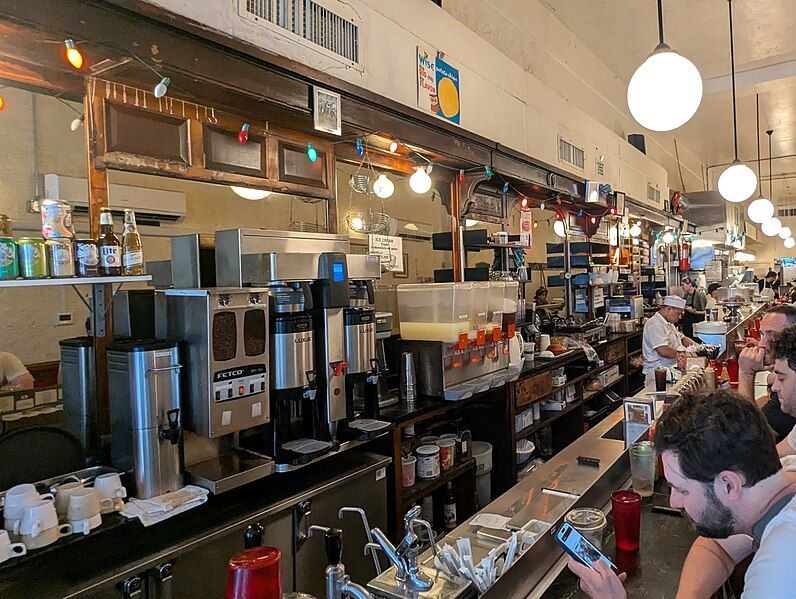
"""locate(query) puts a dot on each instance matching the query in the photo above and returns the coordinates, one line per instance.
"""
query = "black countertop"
(121, 545)
(654, 572)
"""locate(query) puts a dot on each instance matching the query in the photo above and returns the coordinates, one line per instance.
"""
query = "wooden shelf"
(425, 487)
(73, 281)
(587, 395)
(635, 353)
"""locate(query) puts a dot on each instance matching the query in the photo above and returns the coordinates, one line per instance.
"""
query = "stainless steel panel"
(78, 391)
(229, 470)
(334, 346)
(363, 267)
(265, 269)
(160, 271)
(292, 356)
(156, 464)
(186, 259)
(360, 347)
(232, 244)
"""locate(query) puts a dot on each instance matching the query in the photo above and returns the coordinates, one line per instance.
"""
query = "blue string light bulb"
(506, 187)
(360, 148)
(312, 153)
(488, 171)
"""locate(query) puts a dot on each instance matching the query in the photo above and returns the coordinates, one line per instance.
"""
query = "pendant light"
(665, 91)
(790, 243)
(768, 226)
(420, 182)
(738, 181)
(250, 193)
(761, 209)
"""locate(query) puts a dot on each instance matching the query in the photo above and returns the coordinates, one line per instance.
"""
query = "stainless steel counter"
(540, 564)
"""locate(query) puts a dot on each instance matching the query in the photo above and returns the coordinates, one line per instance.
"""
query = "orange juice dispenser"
(444, 325)
(497, 292)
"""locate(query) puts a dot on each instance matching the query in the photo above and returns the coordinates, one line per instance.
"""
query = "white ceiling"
(623, 32)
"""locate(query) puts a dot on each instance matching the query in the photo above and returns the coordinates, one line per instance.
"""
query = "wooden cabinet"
(528, 390)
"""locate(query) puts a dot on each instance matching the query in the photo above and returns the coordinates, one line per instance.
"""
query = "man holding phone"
(721, 463)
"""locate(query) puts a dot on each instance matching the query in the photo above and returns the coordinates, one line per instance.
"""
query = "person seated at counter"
(782, 349)
(757, 358)
(13, 374)
(695, 304)
(661, 339)
(721, 464)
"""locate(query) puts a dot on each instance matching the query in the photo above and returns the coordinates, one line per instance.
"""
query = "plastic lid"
(131, 345)
(255, 558)
(446, 442)
(77, 342)
(427, 450)
(586, 519)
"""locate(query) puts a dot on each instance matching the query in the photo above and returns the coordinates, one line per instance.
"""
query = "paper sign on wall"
(438, 86)
(390, 249)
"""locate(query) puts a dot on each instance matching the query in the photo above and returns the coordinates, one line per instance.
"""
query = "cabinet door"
(368, 491)
(203, 571)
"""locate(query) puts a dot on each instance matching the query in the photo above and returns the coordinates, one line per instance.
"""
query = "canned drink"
(86, 258)
(9, 268)
(61, 258)
(56, 220)
(32, 255)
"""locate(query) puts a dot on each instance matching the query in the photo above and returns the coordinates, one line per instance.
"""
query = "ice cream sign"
(437, 86)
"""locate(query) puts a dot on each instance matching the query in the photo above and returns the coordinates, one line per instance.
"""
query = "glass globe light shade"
(357, 224)
(635, 230)
(558, 228)
(760, 210)
(665, 91)
(771, 227)
(383, 187)
(790, 242)
(250, 193)
(667, 237)
(737, 183)
(420, 182)
(784, 233)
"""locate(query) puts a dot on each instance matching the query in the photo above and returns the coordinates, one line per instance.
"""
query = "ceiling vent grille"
(786, 212)
(308, 20)
(653, 195)
(571, 154)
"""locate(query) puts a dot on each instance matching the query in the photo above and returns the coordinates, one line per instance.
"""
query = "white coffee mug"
(87, 525)
(544, 342)
(17, 500)
(9, 549)
(109, 486)
(62, 494)
(38, 517)
(85, 504)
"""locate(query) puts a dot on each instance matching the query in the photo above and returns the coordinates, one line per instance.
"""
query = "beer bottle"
(108, 245)
(132, 254)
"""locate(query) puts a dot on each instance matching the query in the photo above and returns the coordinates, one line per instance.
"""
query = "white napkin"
(154, 510)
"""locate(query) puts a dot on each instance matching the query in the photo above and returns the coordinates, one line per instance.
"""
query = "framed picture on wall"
(326, 111)
(405, 273)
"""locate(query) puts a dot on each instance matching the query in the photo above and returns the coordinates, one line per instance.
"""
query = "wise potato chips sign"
(438, 86)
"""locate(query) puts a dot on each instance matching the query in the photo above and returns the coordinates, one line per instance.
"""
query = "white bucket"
(482, 452)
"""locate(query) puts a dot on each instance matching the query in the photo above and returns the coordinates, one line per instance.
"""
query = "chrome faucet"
(338, 583)
(405, 557)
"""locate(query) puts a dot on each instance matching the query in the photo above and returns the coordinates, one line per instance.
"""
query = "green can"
(9, 268)
(32, 254)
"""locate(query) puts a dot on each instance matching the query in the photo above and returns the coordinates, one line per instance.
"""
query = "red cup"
(732, 370)
(255, 574)
(626, 507)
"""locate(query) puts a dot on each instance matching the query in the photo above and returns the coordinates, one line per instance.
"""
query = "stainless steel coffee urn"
(146, 427)
(79, 391)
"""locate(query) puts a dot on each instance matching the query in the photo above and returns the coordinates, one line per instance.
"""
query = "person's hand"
(599, 581)
(752, 360)
(752, 342)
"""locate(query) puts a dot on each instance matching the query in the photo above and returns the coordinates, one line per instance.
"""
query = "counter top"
(128, 547)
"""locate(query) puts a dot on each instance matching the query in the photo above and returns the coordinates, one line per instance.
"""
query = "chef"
(662, 340)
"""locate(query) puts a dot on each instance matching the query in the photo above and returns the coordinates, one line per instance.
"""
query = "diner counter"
(538, 567)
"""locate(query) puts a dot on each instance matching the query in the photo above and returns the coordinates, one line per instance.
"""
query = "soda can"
(32, 255)
(9, 269)
(56, 219)
(86, 258)
(61, 258)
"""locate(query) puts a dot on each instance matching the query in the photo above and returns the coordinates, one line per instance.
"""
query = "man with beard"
(783, 350)
(722, 466)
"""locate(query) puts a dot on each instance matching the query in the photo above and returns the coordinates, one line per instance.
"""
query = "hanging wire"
(770, 132)
(732, 66)
(759, 176)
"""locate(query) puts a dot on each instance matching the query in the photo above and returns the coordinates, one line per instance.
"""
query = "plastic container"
(447, 452)
(428, 463)
(255, 574)
(509, 318)
(428, 439)
(497, 292)
(480, 308)
(589, 522)
(525, 449)
(435, 311)
(408, 465)
(482, 452)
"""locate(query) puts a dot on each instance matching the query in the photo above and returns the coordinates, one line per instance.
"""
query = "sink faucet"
(405, 557)
(338, 583)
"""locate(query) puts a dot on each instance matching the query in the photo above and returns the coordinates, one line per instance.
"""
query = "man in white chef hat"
(662, 340)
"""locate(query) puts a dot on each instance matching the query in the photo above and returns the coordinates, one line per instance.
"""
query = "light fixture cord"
(732, 67)
(759, 176)
(770, 173)
(660, 21)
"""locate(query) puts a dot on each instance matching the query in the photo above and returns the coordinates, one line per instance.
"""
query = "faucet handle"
(410, 517)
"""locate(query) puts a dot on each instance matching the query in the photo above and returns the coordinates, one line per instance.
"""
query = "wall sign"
(390, 249)
(438, 86)
(326, 111)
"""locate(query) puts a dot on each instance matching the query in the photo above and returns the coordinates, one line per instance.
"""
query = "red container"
(255, 574)
(732, 370)
(626, 507)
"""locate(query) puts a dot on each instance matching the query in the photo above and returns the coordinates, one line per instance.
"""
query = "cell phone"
(579, 547)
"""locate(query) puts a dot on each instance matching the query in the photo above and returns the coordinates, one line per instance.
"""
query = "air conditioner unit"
(151, 206)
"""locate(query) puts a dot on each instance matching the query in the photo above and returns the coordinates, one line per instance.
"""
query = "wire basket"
(367, 221)
(302, 226)
(360, 183)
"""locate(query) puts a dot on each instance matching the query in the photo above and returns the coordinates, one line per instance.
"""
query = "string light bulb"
(541, 206)
(73, 55)
(593, 220)
(312, 153)
(394, 146)
(488, 171)
(524, 203)
(420, 182)
(359, 147)
(383, 187)
(162, 87)
(536, 224)
(461, 175)
(2, 103)
(558, 228)
(76, 123)
(357, 224)
(429, 168)
(668, 237)
(250, 193)
(635, 230)
(784, 233)
(243, 134)
(506, 187)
